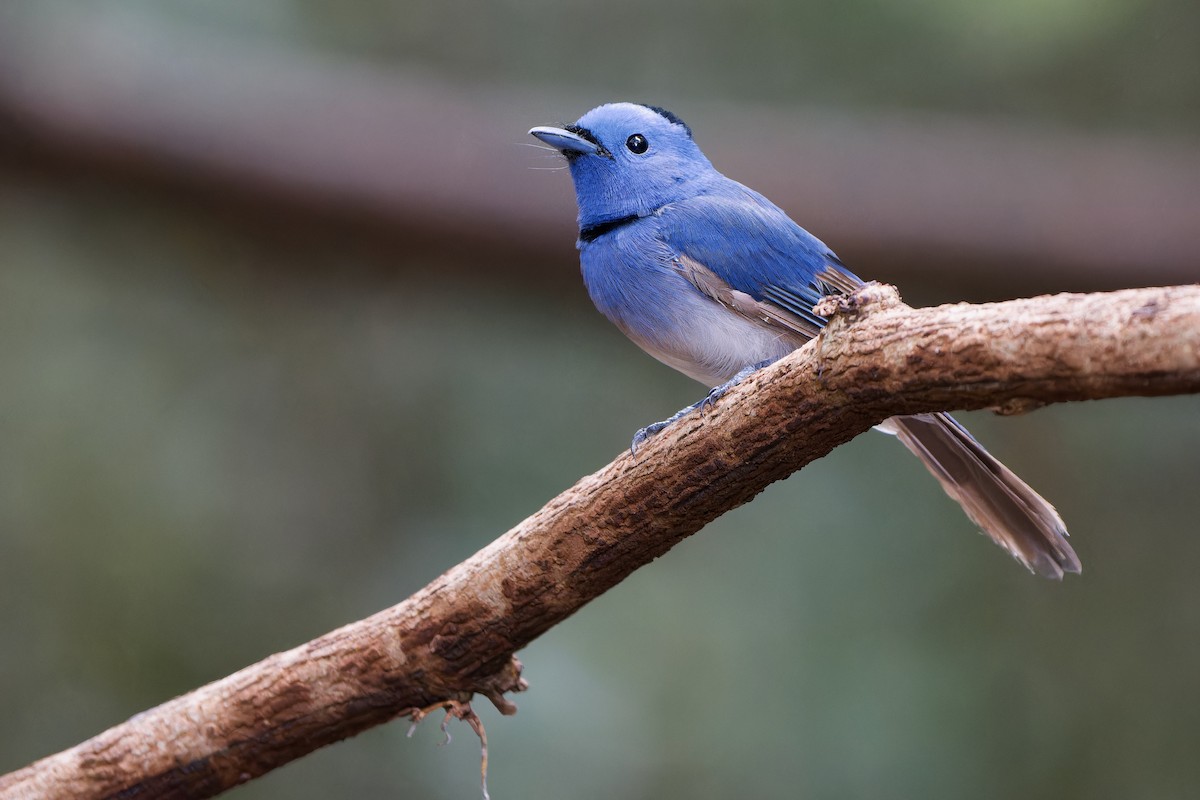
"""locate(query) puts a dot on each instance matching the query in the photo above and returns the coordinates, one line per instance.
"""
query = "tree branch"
(457, 636)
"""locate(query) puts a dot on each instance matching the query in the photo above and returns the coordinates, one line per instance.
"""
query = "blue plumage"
(714, 280)
(753, 246)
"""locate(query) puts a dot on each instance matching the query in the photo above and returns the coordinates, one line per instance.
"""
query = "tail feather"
(1015, 516)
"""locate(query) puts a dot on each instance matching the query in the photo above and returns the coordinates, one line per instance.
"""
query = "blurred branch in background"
(457, 636)
(440, 163)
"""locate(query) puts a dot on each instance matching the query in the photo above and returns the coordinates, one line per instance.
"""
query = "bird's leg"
(645, 433)
(707, 401)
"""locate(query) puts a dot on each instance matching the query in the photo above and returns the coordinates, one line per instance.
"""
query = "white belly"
(711, 343)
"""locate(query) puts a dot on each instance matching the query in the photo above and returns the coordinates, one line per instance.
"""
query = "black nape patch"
(669, 116)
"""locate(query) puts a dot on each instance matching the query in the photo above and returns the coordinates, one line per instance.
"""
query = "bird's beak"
(569, 143)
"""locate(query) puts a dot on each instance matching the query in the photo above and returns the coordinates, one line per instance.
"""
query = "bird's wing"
(744, 252)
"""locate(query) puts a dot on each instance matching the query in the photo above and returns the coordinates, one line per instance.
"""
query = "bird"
(713, 279)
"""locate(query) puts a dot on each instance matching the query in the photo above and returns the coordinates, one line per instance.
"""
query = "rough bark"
(457, 636)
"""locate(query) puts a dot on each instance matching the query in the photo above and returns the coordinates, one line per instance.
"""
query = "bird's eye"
(637, 144)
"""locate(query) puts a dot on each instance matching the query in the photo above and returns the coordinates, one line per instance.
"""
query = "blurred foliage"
(218, 441)
(1129, 64)
(216, 447)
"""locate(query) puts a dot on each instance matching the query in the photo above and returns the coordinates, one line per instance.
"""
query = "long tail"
(1015, 516)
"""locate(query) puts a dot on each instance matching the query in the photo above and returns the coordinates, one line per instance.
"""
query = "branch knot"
(867, 299)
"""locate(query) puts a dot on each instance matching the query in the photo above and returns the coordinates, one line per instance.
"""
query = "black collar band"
(590, 233)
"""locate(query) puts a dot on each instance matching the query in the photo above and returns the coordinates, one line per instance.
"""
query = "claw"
(714, 394)
(712, 397)
(644, 434)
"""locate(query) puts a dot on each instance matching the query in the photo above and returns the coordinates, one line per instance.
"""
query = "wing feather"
(746, 253)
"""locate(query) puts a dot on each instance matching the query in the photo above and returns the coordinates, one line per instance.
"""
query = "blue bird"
(711, 278)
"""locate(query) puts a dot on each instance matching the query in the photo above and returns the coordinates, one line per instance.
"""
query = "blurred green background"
(234, 417)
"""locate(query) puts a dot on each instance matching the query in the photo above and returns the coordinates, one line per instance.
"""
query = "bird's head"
(628, 160)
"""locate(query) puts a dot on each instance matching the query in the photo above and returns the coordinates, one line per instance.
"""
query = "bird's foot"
(644, 434)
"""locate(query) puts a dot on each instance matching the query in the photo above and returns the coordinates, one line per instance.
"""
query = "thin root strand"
(456, 709)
